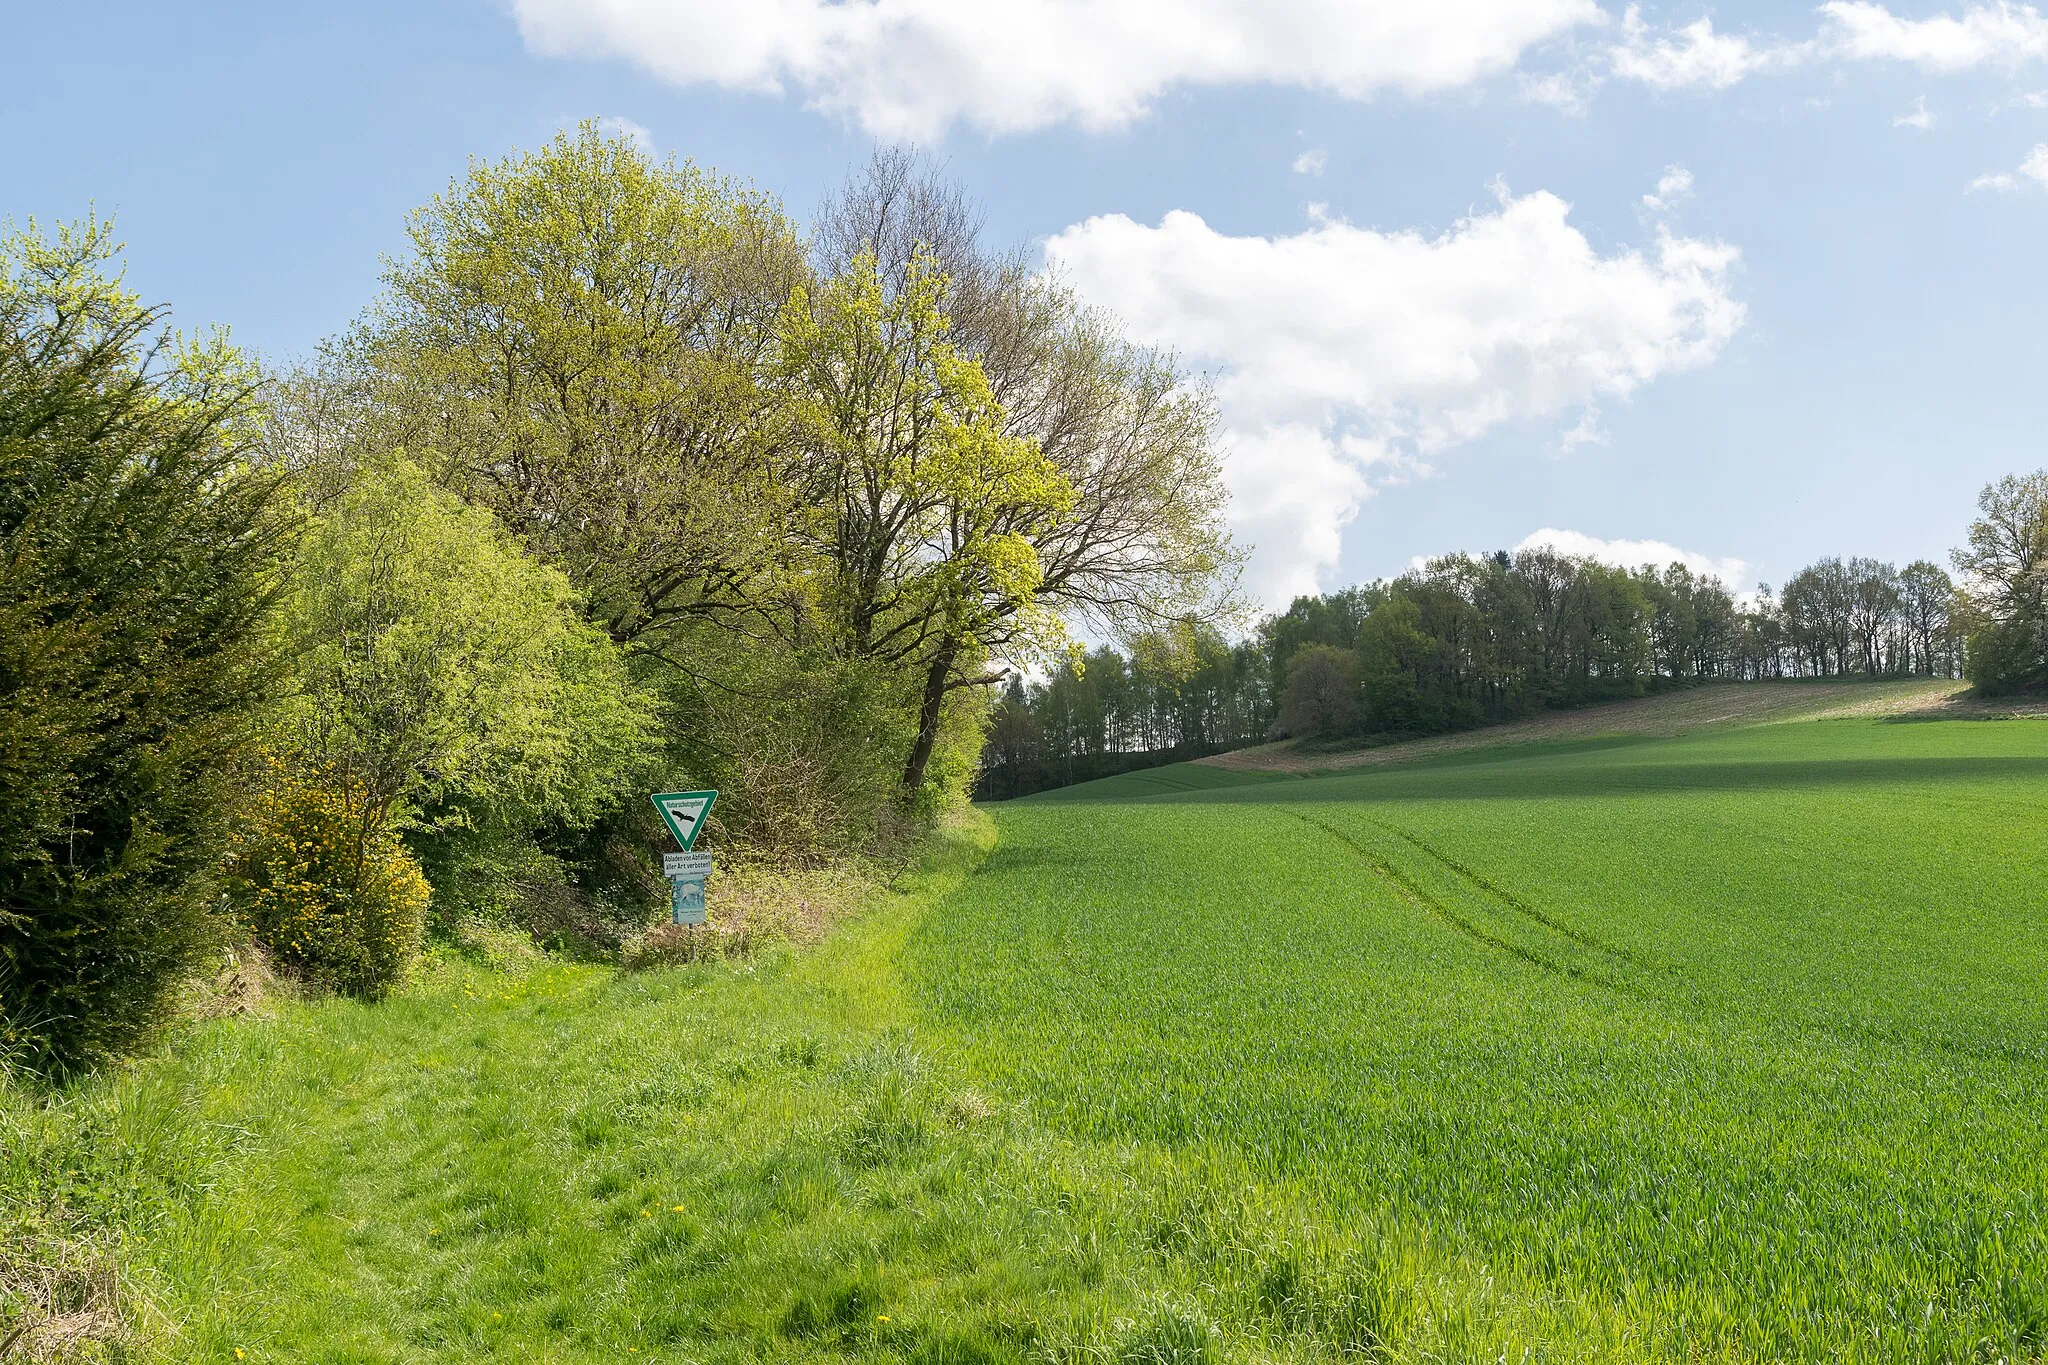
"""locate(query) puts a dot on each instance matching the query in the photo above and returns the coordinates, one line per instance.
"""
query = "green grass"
(1730, 1046)
(1728, 1043)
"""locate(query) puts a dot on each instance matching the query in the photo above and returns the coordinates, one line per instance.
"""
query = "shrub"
(137, 558)
(336, 901)
(447, 682)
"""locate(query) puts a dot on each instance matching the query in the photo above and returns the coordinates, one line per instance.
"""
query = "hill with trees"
(1474, 640)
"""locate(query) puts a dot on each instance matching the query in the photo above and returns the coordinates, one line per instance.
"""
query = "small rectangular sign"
(686, 865)
(687, 904)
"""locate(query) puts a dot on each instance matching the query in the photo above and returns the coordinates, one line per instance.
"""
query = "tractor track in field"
(1512, 901)
(1420, 896)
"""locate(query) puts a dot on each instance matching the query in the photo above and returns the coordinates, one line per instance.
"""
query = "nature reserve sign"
(685, 813)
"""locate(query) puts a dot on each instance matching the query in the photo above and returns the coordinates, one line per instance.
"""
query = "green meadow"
(1728, 1046)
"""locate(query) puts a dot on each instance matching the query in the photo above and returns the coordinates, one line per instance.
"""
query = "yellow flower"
(881, 1317)
(677, 1209)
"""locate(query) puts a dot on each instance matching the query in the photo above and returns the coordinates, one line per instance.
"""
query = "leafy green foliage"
(1321, 697)
(1179, 694)
(2007, 565)
(335, 903)
(575, 343)
(448, 686)
(136, 564)
(922, 514)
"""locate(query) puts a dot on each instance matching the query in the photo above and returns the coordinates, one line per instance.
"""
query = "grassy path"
(552, 1162)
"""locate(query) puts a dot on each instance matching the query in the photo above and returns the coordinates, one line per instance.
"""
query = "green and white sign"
(685, 813)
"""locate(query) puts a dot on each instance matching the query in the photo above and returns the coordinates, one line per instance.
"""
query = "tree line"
(624, 482)
(1470, 640)
(1180, 693)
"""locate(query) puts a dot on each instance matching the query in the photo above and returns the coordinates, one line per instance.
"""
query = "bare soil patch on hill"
(1713, 706)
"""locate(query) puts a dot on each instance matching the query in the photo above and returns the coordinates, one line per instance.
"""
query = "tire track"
(1514, 902)
(1419, 896)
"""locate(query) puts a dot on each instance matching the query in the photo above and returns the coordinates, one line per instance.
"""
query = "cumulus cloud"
(2034, 168)
(1314, 161)
(1695, 58)
(1999, 34)
(912, 68)
(1921, 116)
(1344, 355)
(1634, 554)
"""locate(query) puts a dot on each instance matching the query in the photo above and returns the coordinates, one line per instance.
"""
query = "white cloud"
(2034, 168)
(1999, 34)
(1675, 184)
(1696, 58)
(1311, 162)
(1922, 117)
(1634, 554)
(912, 68)
(1569, 92)
(642, 135)
(1343, 354)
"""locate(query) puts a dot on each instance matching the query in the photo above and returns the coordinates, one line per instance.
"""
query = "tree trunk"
(935, 679)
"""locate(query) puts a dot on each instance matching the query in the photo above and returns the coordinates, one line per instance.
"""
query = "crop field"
(1736, 1042)
(1730, 1046)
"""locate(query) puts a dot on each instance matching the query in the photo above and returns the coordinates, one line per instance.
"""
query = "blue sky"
(1458, 324)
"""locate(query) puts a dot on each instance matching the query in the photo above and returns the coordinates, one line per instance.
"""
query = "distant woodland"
(1466, 641)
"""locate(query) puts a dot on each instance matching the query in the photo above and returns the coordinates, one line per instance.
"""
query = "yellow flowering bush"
(334, 903)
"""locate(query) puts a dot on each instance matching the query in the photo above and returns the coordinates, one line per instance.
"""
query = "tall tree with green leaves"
(138, 557)
(921, 516)
(2005, 571)
(1143, 545)
(575, 341)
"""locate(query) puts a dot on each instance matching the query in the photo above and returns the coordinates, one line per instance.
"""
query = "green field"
(1728, 1046)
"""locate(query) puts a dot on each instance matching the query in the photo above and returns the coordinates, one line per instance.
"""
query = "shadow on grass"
(1477, 781)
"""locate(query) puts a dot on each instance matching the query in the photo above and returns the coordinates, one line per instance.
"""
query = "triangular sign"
(685, 813)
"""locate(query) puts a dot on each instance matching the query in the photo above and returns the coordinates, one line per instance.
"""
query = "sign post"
(684, 813)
